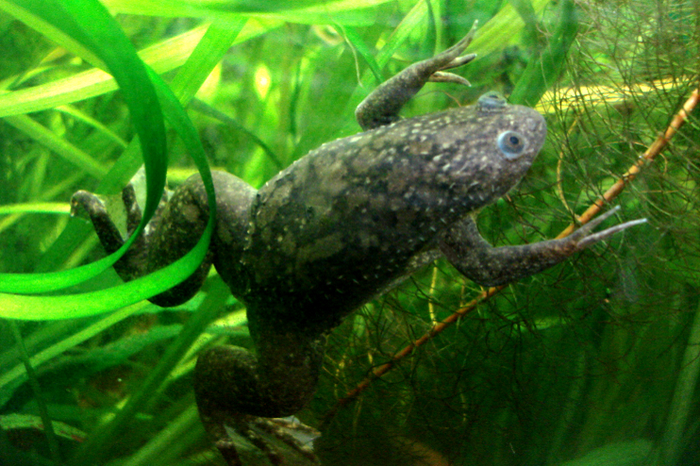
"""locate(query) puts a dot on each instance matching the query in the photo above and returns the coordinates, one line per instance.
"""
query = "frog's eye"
(511, 143)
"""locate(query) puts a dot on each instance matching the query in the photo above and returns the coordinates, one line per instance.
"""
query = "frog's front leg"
(382, 106)
(477, 260)
(175, 229)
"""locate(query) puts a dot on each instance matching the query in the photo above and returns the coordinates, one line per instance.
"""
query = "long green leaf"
(85, 26)
(162, 57)
(59, 307)
(542, 71)
(308, 12)
(58, 145)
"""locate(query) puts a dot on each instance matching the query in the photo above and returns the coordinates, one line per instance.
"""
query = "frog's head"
(488, 148)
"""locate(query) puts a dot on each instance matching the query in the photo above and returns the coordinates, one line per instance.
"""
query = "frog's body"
(339, 227)
(351, 217)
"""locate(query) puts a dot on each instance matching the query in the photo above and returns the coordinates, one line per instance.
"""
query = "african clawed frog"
(339, 227)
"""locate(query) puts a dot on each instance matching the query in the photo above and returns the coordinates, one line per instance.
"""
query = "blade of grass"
(500, 30)
(26, 11)
(92, 451)
(358, 45)
(58, 145)
(11, 378)
(162, 57)
(89, 25)
(169, 441)
(309, 12)
(70, 306)
(206, 109)
(38, 394)
(32, 307)
(542, 71)
(88, 120)
(36, 208)
(672, 444)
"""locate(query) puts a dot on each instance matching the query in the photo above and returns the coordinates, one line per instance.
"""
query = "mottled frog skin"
(337, 228)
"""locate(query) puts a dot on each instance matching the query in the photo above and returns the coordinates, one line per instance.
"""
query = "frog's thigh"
(234, 198)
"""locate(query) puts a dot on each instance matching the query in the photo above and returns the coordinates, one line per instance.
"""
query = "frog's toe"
(601, 235)
(291, 434)
(444, 77)
(450, 59)
(433, 68)
(228, 451)
(460, 61)
(133, 211)
(588, 227)
(454, 52)
(583, 237)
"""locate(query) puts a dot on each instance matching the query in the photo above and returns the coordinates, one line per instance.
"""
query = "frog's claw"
(455, 60)
(382, 106)
(469, 253)
(583, 237)
(442, 77)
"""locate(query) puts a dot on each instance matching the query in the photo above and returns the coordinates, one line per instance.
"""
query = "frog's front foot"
(434, 68)
(382, 106)
(477, 260)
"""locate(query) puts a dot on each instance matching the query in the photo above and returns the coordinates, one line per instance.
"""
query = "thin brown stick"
(654, 149)
(649, 155)
(387, 366)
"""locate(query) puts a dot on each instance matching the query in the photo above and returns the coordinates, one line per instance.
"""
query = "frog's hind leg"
(270, 436)
(234, 389)
(232, 379)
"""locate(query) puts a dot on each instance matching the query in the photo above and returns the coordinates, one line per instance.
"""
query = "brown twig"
(655, 149)
(645, 159)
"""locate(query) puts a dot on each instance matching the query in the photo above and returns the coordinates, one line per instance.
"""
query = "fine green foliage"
(593, 362)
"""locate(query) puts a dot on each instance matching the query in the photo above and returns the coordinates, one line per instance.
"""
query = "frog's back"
(344, 221)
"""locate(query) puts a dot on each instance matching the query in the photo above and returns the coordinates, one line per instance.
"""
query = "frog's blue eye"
(511, 143)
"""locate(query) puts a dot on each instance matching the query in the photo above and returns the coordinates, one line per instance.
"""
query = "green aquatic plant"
(590, 362)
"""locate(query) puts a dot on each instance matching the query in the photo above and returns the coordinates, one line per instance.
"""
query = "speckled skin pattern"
(340, 226)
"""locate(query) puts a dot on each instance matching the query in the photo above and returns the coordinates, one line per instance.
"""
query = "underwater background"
(593, 362)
